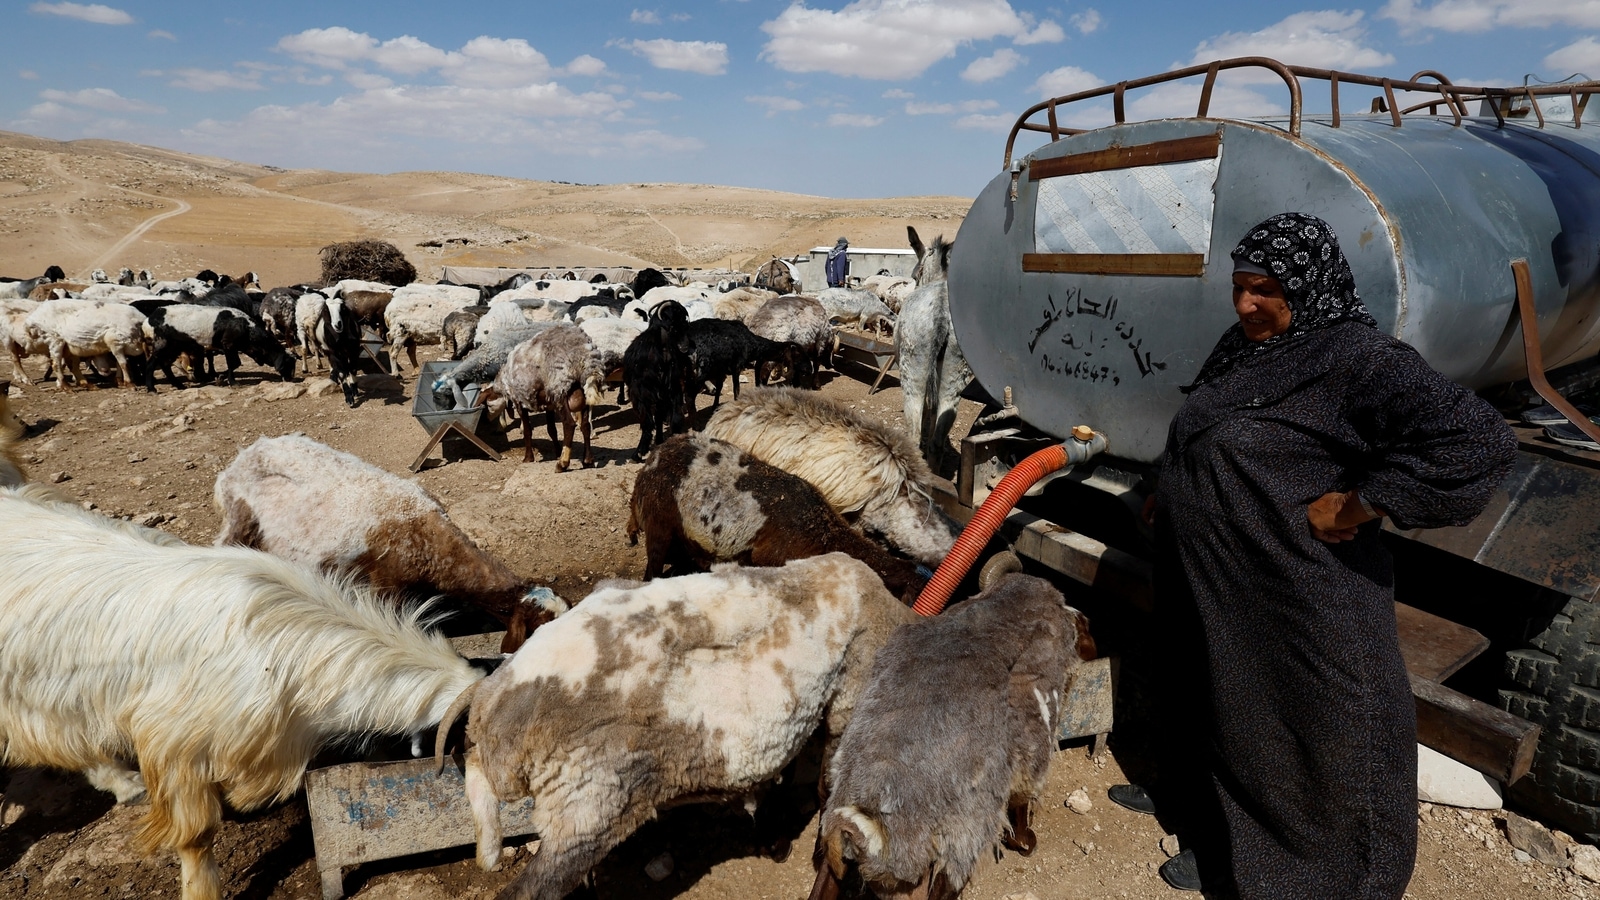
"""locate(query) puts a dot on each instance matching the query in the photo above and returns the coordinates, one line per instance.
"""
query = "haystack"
(378, 261)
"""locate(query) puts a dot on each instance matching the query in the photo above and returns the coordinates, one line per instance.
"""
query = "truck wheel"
(1556, 685)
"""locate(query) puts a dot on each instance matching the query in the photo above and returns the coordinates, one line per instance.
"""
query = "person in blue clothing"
(838, 265)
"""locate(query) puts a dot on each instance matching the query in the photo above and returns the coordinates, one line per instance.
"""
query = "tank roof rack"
(1453, 97)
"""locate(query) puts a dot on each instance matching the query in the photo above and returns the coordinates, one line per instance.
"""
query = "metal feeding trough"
(440, 421)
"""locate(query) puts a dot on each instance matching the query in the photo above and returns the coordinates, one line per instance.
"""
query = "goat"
(736, 304)
(933, 370)
(458, 329)
(557, 371)
(647, 279)
(853, 308)
(865, 468)
(214, 330)
(14, 336)
(700, 501)
(21, 288)
(719, 348)
(485, 361)
(801, 321)
(332, 512)
(278, 312)
(604, 718)
(367, 308)
(970, 698)
(613, 337)
(219, 671)
(656, 370)
(891, 289)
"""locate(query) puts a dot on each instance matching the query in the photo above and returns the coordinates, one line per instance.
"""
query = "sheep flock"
(786, 536)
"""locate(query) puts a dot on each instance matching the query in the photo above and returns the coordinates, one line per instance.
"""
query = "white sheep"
(868, 471)
(416, 316)
(891, 289)
(333, 512)
(14, 338)
(311, 309)
(611, 336)
(645, 695)
(739, 303)
(696, 301)
(84, 329)
(797, 320)
(220, 672)
(859, 309)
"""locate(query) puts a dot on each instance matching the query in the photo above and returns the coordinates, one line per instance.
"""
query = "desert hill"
(104, 204)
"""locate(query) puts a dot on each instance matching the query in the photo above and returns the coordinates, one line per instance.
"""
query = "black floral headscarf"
(1302, 252)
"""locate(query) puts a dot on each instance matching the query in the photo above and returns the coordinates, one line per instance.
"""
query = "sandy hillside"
(89, 204)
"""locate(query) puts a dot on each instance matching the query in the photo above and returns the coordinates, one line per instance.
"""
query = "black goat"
(647, 279)
(720, 348)
(656, 369)
(605, 298)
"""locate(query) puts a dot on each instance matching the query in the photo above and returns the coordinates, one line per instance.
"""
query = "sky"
(872, 98)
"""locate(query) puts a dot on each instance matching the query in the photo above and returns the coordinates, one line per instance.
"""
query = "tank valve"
(1016, 174)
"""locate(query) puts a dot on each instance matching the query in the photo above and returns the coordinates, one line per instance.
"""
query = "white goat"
(220, 671)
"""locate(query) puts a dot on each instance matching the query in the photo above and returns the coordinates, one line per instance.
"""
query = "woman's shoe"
(1131, 796)
(1181, 872)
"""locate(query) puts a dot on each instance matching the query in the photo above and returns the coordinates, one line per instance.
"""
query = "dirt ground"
(99, 204)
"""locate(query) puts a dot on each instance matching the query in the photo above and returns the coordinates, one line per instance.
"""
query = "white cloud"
(775, 105)
(494, 62)
(1048, 32)
(339, 47)
(897, 94)
(947, 109)
(1323, 39)
(995, 65)
(680, 17)
(657, 96)
(368, 81)
(91, 12)
(161, 35)
(586, 65)
(1582, 55)
(104, 99)
(210, 79)
(1182, 99)
(28, 75)
(1066, 80)
(703, 57)
(644, 17)
(890, 39)
(854, 120)
(986, 123)
(1087, 22)
(1482, 15)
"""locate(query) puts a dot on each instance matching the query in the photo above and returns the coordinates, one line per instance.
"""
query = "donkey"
(777, 275)
(933, 371)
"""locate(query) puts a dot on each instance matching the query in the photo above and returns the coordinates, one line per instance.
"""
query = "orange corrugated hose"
(986, 521)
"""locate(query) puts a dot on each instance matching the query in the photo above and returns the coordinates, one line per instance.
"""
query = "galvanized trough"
(440, 421)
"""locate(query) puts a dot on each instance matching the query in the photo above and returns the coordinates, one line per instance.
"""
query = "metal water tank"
(1101, 287)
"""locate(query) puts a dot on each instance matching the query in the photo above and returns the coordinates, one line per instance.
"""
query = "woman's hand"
(1335, 516)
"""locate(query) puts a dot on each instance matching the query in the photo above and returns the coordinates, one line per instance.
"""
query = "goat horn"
(462, 701)
(998, 566)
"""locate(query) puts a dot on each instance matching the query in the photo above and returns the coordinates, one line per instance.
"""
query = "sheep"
(367, 308)
(99, 276)
(933, 370)
(416, 316)
(340, 288)
(656, 370)
(567, 291)
(11, 430)
(720, 348)
(860, 309)
(232, 295)
(801, 321)
(642, 696)
(20, 288)
(278, 312)
(971, 698)
(78, 329)
(891, 289)
(612, 338)
(500, 316)
(459, 327)
(737, 304)
(310, 310)
(515, 281)
(699, 501)
(608, 301)
(865, 468)
(645, 280)
(220, 672)
(330, 511)
(557, 371)
(14, 336)
(695, 301)
(484, 362)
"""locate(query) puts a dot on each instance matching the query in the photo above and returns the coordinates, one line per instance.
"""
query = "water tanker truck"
(1092, 277)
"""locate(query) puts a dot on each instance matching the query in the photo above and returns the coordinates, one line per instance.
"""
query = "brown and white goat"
(971, 698)
(319, 507)
(701, 501)
(559, 372)
(218, 671)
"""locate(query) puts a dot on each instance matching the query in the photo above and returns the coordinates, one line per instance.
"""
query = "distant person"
(838, 265)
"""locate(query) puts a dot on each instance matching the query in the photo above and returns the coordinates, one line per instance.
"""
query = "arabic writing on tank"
(1088, 349)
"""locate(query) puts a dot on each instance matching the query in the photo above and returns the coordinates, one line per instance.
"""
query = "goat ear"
(944, 255)
(916, 242)
(1085, 645)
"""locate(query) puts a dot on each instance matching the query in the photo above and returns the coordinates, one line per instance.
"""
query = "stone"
(136, 458)
(151, 520)
(1521, 856)
(1021, 895)
(288, 390)
(1170, 846)
(1078, 802)
(323, 387)
(58, 477)
(1442, 780)
(1586, 861)
(1535, 840)
(659, 868)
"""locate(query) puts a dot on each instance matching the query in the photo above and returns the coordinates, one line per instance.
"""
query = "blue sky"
(873, 98)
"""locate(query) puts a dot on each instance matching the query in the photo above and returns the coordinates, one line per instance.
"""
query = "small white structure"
(863, 262)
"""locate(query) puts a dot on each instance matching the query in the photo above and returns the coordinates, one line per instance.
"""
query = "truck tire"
(1555, 683)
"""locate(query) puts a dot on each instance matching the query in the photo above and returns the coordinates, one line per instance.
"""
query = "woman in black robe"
(1305, 426)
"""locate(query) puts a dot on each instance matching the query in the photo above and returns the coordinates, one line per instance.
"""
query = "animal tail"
(592, 384)
(864, 834)
(633, 528)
